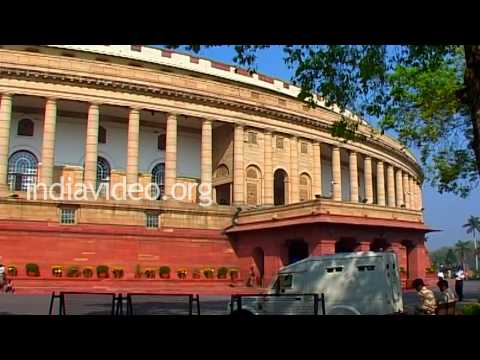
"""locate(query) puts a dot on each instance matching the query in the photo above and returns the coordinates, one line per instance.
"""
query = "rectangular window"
(279, 142)
(152, 220)
(252, 137)
(366, 268)
(67, 216)
(304, 148)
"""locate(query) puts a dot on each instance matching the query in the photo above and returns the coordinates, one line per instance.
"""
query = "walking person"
(3, 277)
(459, 277)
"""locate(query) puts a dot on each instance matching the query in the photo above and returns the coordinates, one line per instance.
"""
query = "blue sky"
(445, 212)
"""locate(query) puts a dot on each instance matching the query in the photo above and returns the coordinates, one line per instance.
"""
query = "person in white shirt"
(2, 276)
(441, 275)
(459, 277)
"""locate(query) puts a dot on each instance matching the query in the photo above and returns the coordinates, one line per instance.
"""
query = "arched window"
(253, 181)
(280, 188)
(222, 171)
(22, 170)
(252, 173)
(158, 178)
(102, 135)
(25, 127)
(305, 189)
(103, 171)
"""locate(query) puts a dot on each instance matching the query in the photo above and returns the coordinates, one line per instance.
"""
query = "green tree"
(428, 95)
(450, 258)
(462, 248)
(473, 227)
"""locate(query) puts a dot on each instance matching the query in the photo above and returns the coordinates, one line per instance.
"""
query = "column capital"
(367, 157)
(172, 114)
(7, 94)
(269, 131)
(239, 125)
(51, 99)
(133, 109)
(207, 121)
(96, 103)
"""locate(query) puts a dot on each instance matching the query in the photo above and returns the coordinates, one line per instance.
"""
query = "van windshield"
(283, 282)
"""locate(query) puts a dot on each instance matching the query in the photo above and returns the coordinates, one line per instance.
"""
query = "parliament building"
(278, 186)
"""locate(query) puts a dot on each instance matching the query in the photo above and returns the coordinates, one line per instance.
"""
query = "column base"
(5, 191)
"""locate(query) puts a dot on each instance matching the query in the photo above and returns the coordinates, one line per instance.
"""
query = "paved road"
(210, 305)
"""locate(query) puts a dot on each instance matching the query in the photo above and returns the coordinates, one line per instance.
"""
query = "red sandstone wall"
(126, 246)
(92, 245)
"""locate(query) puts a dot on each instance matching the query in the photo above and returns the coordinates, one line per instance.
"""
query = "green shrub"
(118, 273)
(73, 271)
(32, 269)
(164, 270)
(12, 270)
(196, 273)
(222, 272)
(234, 273)
(102, 269)
(471, 309)
(87, 272)
(208, 272)
(149, 273)
(138, 271)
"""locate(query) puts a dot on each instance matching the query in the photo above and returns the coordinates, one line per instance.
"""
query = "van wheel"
(242, 313)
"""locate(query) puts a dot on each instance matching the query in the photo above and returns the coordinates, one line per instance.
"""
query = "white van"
(360, 283)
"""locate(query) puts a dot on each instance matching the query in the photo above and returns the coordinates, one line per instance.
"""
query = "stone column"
(399, 188)
(5, 121)
(132, 146)
(48, 144)
(353, 176)
(368, 179)
(238, 170)
(206, 161)
(413, 194)
(336, 174)
(171, 154)
(390, 186)
(406, 190)
(317, 169)
(380, 184)
(294, 176)
(91, 147)
(420, 199)
(268, 169)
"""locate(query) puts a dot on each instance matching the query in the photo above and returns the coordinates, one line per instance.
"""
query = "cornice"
(189, 96)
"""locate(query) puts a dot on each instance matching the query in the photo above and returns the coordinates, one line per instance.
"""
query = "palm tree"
(473, 227)
(462, 248)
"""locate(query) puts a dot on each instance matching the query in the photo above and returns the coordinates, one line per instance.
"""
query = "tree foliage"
(429, 96)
